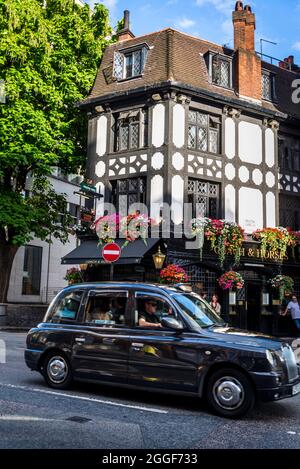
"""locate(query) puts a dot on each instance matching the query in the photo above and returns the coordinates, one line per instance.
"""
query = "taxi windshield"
(198, 310)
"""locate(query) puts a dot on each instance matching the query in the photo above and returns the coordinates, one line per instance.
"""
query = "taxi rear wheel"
(229, 393)
(57, 371)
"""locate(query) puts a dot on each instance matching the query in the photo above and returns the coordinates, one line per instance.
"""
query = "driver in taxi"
(147, 317)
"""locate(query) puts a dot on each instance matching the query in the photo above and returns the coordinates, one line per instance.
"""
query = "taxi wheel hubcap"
(57, 369)
(229, 393)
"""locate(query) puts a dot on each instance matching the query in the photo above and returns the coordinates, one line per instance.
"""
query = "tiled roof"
(178, 57)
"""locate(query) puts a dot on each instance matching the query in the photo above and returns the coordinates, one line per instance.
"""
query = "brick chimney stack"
(125, 33)
(248, 64)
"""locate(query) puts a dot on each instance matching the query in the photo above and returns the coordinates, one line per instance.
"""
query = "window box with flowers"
(173, 274)
(284, 283)
(73, 275)
(226, 238)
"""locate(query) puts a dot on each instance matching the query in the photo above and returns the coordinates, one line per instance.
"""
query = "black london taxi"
(164, 338)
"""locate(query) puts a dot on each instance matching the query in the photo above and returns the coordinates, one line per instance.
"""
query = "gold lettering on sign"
(251, 253)
(258, 254)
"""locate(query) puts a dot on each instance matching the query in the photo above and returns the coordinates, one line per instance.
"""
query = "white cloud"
(110, 4)
(296, 46)
(185, 23)
(224, 6)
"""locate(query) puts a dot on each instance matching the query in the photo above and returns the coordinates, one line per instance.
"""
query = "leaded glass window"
(268, 86)
(221, 71)
(129, 64)
(126, 192)
(204, 197)
(131, 130)
(203, 132)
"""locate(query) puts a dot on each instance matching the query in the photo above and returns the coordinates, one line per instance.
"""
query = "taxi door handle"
(79, 340)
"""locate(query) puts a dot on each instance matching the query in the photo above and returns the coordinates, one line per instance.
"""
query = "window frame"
(272, 77)
(224, 58)
(208, 128)
(122, 293)
(116, 192)
(130, 51)
(53, 305)
(194, 195)
(142, 295)
(130, 118)
(28, 247)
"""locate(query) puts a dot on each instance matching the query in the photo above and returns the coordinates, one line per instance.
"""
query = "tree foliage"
(50, 51)
(49, 55)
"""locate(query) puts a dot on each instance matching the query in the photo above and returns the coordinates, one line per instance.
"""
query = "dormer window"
(130, 63)
(220, 70)
(268, 85)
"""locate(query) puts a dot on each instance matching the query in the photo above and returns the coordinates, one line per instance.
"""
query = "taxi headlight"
(275, 358)
(271, 358)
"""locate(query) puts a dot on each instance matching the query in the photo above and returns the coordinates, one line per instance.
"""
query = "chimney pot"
(248, 9)
(239, 6)
(290, 59)
(126, 19)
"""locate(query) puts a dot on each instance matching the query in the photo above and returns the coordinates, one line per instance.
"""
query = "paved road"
(35, 416)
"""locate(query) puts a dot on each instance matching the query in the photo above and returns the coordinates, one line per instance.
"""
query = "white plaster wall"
(250, 143)
(178, 161)
(271, 210)
(156, 196)
(178, 125)
(101, 135)
(158, 125)
(177, 199)
(270, 148)
(229, 137)
(230, 203)
(250, 209)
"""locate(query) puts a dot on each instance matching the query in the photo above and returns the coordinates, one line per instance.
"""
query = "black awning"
(90, 253)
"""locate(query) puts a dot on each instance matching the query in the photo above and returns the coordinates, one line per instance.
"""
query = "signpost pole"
(111, 272)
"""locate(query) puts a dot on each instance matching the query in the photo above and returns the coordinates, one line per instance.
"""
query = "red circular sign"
(111, 252)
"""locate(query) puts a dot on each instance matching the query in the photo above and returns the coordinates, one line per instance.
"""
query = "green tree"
(49, 55)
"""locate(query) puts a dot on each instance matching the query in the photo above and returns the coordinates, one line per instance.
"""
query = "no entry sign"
(111, 252)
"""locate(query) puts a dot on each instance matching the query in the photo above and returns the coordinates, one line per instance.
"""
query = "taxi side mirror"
(171, 323)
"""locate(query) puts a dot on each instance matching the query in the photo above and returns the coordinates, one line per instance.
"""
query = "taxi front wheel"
(57, 371)
(229, 393)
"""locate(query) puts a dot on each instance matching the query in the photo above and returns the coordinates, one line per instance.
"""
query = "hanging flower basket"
(275, 240)
(231, 280)
(135, 226)
(173, 274)
(226, 238)
(284, 283)
(73, 275)
(107, 228)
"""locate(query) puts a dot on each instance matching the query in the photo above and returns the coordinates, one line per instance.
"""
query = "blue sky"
(276, 20)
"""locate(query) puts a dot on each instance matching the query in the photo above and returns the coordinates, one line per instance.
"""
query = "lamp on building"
(83, 266)
(158, 259)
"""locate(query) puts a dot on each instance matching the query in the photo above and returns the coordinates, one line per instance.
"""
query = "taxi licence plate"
(296, 389)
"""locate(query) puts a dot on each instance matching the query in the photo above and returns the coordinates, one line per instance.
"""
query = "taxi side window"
(151, 309)
(67, 307)
(106, 309)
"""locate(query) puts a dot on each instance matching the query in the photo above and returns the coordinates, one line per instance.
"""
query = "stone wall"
(24, 315)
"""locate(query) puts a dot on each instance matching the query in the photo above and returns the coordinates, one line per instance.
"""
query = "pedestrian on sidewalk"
(215, 304)
(294, 309)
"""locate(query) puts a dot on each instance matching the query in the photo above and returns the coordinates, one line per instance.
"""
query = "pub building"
(176, 119)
